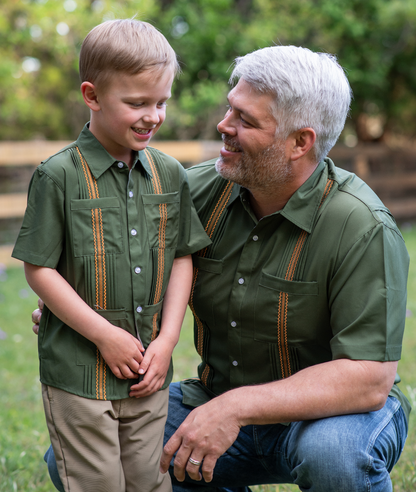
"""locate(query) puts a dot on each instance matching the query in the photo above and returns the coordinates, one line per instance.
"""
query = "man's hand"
(204, 436)
(36, 315)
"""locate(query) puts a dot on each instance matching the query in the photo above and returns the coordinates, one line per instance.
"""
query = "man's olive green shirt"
(322, 279)
(112, 234)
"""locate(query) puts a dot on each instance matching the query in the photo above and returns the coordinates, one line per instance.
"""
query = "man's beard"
(267, 171)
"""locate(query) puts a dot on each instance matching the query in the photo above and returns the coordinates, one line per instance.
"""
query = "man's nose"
(226, 125)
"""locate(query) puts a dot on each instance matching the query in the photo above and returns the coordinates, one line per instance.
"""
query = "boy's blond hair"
(124, 46)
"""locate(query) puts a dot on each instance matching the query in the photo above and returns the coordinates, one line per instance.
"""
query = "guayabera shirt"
(112, 234)
(324, 278)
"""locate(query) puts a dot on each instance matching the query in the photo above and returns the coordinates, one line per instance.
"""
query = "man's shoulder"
(354, 198)
(202, 180)
(203, 175)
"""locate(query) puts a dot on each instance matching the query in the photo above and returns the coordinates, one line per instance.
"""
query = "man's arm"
(120, 350)
(332, 388)
(156, 361)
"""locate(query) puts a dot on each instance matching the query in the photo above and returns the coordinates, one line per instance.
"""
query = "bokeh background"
(41, 109)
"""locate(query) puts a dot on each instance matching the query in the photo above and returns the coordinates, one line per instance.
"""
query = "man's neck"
(267, 201)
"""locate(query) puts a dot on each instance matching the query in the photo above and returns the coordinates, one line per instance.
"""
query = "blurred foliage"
(375, 41)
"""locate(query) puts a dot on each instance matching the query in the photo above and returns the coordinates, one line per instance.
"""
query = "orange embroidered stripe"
(104, 270)
(218, 209)
(282, 310)
(328, 188)
(284, 298)
(156, 180)
(100, 377)
(89, 178)
(295, 256)
(100, 270)
(163, 213)
(209, 229)
(204, 376)
(198, 321)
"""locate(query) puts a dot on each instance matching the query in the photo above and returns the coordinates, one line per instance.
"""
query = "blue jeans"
(344, 453)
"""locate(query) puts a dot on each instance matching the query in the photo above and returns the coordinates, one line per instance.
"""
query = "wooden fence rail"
(390, 172)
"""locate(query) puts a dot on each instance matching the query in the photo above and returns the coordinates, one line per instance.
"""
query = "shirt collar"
(98, 159)
(303, 205)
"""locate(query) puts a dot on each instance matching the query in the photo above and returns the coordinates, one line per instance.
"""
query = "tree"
(375, 41)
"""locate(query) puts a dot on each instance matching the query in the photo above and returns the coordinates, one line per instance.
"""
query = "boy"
(106, 240)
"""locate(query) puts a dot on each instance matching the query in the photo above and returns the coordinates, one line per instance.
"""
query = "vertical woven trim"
(100, 271)
(283, 307)
(163, 213)
(209, 229)
(285, 365)
(100, 377)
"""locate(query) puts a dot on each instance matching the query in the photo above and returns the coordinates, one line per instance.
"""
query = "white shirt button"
(120, 165)
(241, 281)
(137, 270)
(130, 194)
(235, 363)
(133, 232)
(233, 324)
(139, 309)
(255, 238)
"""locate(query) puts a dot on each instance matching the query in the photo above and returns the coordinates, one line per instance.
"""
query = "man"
(299, 302)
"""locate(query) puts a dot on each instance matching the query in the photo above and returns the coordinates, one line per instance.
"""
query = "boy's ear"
(89, 94)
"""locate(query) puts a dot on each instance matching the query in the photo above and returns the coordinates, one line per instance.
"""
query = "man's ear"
(89, 94)
(302, 141)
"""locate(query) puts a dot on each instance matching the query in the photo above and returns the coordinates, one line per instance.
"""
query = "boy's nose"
(152, 116)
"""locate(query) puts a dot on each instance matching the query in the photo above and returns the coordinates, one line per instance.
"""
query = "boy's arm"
(156, 361)
(120, 350)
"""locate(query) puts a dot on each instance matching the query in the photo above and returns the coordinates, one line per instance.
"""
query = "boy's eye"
(162, 104)
(136, 105)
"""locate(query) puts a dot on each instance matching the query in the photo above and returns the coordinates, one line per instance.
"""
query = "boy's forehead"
(146, 79)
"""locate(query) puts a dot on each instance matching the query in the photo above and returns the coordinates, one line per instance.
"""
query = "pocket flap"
(289, 286)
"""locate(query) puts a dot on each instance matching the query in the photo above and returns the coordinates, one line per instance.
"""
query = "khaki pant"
(107, 446)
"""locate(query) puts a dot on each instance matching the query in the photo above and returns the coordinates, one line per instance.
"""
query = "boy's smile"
(129, 110)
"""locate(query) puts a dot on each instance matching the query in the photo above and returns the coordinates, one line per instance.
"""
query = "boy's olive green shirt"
(113, 235)
(322, 279)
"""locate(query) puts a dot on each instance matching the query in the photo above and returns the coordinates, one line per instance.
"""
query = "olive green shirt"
(322, 279)
(112, 234)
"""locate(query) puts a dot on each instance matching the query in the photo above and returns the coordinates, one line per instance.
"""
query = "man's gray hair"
(310, 89)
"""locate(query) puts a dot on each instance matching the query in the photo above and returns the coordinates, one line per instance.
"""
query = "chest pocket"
(162, 219)
(292, 300)
(96, 224)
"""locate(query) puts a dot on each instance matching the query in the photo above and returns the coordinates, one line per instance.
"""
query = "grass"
(23, 434)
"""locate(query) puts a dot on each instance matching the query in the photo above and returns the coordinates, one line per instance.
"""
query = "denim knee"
(350, 452)
(327, 461)
(53, 469)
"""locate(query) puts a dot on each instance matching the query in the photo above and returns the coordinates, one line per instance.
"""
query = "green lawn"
(23, 434)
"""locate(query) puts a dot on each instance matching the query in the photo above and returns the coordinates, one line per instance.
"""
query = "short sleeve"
(41, 237)
(368, 297)
(192, 236)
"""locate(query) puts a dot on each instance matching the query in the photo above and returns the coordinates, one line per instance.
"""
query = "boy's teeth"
(140, 130)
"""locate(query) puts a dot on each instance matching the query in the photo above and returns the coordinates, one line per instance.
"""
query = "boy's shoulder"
(58, 164)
